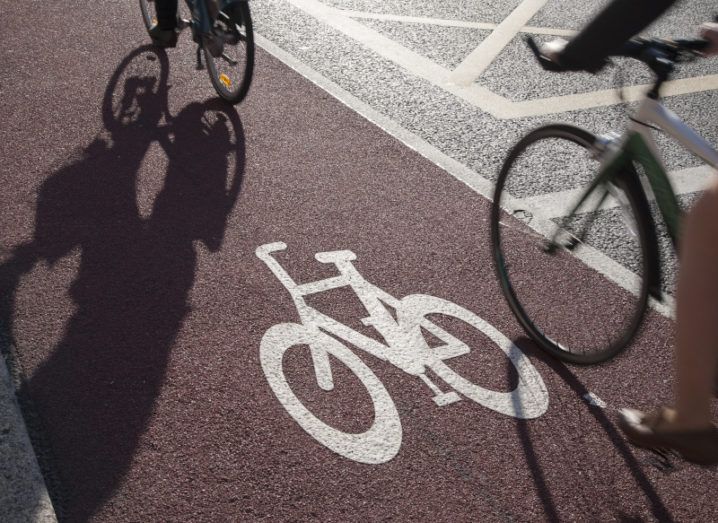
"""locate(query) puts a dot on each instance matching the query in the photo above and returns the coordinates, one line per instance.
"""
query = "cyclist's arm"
(606, 33)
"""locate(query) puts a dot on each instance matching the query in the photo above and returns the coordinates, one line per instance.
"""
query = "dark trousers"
(166, 13)
(612, 27)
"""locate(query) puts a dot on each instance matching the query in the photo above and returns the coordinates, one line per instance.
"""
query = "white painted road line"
(417, 20)
(364, 15)
(556, 204)
(476, 63)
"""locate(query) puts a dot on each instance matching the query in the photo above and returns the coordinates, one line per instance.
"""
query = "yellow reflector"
(225, 80)
(154, 20)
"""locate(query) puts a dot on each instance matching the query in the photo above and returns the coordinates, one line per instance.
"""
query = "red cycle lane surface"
(136, 306)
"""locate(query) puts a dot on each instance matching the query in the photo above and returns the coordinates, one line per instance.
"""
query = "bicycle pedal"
(447, 398)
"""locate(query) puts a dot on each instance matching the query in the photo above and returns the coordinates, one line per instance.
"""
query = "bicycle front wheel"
(574, 280)
(230, 62)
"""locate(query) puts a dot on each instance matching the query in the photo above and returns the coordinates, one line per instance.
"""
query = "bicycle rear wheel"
(583, 299)
(231, 70)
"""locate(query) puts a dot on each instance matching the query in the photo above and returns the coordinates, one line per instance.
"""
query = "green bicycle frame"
(638, 146)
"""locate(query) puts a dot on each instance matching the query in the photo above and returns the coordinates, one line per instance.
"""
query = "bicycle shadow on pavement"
(616, 439)
(89, 398)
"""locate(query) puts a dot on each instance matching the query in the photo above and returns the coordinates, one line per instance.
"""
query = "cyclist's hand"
(709, 31)
(553, 49)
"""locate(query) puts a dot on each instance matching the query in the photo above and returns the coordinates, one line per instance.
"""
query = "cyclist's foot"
(163, 37)
(553, 49)
(655, 431)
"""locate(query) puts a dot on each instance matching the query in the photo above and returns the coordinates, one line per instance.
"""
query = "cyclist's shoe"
(163, 37)
(653, 431)
(553, 49)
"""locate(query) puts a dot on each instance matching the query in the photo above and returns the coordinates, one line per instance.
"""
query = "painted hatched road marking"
(457, 83)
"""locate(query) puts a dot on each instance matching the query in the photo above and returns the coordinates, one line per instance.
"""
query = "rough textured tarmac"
(132, 207)
(23, 496)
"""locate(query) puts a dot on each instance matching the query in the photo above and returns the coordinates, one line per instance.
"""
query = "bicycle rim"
(582, 304)
(231, 73)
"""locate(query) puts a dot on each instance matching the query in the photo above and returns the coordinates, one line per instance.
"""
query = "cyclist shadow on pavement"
(89, 398)
(585, 487)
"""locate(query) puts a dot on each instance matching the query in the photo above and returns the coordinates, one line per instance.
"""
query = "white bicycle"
(405, 348)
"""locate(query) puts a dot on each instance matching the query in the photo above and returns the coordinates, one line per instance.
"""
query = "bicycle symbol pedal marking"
(405, 348)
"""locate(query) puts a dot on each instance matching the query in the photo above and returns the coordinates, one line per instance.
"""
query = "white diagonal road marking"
(475, 94)
(481, 57)
(556, 204)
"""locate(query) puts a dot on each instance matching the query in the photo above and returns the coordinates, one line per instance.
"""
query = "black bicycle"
(222, 30)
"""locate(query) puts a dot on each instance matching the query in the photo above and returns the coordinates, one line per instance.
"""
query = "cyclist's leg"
(166, 14)
(163, 32)
(697, 310)
(687, 428)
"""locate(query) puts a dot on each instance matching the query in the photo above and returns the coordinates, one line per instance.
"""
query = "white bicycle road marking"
(405, 347)
(452, 23)
(473, 93)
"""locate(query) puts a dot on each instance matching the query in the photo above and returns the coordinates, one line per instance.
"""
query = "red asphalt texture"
(136, 304)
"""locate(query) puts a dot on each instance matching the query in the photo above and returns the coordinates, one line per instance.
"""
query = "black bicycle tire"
(640, 208)
(237, 96)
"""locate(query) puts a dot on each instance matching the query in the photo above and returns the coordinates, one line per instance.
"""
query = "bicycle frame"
(637, 145)
(199, 9)
(201, 22)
